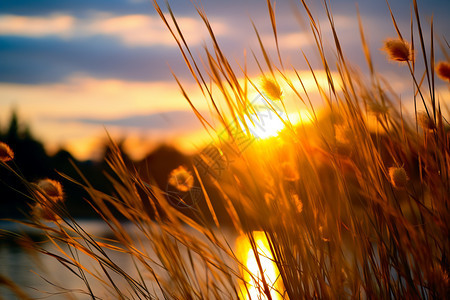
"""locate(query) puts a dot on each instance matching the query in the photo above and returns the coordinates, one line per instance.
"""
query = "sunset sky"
(73, 68)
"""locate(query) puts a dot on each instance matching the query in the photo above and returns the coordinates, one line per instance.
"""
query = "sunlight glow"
(264, 124)
(254, 286)
(267, 120)
(301, 117)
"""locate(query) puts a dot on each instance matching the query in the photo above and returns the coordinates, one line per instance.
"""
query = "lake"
(42, 276)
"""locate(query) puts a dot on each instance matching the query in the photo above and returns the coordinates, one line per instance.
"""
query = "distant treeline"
(33, 162)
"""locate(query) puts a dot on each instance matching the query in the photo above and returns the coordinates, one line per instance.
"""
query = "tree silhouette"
(32, 161)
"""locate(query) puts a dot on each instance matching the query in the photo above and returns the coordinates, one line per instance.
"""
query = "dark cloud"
(170, 121)
(76, 8)
(81, 7)
(52, 59)
(43, 60)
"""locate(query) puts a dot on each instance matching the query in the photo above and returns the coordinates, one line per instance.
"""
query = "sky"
(76, 69)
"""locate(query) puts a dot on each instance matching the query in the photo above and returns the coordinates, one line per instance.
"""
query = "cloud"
(134, 30)
(55, 25)
(143, 30)
(140, 132)
(174, 121)
(94, 98)
(79, 7)
(50, 59)
(76, 112)
(290, 41)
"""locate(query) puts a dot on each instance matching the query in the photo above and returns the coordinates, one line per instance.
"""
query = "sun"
(267, 124)
(266, 119)
(264, 124)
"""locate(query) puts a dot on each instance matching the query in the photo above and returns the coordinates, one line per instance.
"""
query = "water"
(37, 274)
(42, 276)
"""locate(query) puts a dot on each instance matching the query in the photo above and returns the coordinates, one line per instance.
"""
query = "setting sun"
(264, 124)
(266, 121)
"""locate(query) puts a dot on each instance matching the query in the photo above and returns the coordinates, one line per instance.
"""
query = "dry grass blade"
(8, 283)
(197, 113)
(364, 44)
(393, 21)
(274, 29)
(264, 52)
(425, 59)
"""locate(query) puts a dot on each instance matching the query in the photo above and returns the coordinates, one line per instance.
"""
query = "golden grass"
(352, 204)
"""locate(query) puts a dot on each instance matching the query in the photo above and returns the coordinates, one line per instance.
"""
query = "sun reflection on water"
(253, 289)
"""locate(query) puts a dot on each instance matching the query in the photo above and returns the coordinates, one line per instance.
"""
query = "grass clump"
(351, 201)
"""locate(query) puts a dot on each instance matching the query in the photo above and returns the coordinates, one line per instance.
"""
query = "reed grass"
(353, 203)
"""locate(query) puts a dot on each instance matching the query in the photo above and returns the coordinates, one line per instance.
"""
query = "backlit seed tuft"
(271, 89)
(398, 50)
(398, 177)
(443, 70)
(51, 188)
(6, 154)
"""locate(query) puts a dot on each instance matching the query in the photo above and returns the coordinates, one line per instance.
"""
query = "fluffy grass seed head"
(51, 188)
(6, 154)
(443, 70)
(181, 179)
(398, 50)
(52, 193)
(398, 177)
(271, 88)
(297, 202)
